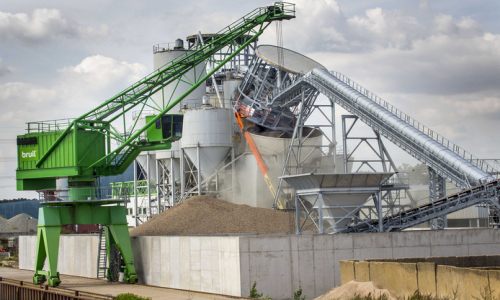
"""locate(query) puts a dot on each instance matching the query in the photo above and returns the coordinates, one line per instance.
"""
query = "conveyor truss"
(474, 176)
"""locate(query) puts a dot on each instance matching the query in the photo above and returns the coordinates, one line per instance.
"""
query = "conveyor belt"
(488, 193)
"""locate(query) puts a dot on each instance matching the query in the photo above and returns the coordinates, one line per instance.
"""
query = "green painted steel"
(167, 128)
(100, 120)
(52, 217)
(126, 188)
(80, 149)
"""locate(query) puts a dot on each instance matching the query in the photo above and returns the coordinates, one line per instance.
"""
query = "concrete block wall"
(77, 254)
(430, 278)
(209, 264)
(280, 264)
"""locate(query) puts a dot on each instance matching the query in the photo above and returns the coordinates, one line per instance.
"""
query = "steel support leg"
(47, 247)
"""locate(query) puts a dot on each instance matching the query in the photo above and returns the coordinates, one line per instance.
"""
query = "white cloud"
(4, 69)
(78, 89)
(44, 24)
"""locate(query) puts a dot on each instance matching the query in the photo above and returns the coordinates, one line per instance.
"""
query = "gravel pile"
(3, 223)
(203, 215)
(20, 223)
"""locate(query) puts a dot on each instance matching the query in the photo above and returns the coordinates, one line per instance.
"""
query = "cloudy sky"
(439, 61)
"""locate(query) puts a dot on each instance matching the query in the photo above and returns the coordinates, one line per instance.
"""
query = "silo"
(207, 137)
(163, 54)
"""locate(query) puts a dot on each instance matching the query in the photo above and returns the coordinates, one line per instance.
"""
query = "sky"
(438, 61)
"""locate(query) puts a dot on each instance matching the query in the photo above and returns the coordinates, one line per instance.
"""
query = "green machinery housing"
(102, 142)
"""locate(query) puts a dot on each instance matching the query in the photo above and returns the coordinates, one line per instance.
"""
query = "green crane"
(81, 150)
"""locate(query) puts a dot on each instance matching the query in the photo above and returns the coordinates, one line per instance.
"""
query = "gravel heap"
(3, 223)
(18, 224)
(358, 290)
(203, 215)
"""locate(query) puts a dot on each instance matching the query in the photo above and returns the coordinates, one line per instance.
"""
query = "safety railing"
(114, 193)
(47, 126)
(19, 290)
(421, 127)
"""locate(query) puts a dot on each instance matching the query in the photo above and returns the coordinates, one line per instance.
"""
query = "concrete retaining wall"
(405, 276)
(279, 263)
(77, 254)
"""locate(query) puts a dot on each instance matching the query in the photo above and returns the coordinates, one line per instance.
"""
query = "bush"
(130, 296)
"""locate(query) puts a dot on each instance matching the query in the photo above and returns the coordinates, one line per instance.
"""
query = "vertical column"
(437, 190)
(320, 213)
(148, 182)
(182, 168)
(297, 213)
(199, 168)
(379, 211)
(135, 194)
(172, 181)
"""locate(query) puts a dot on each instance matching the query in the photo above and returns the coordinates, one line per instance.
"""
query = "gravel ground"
(203, 215)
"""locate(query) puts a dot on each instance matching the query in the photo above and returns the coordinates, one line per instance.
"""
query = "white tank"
(229, 87)
(173, 91)
(210, 129)
(275, 142)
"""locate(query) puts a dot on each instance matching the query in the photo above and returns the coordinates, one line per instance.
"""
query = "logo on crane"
(29, 153)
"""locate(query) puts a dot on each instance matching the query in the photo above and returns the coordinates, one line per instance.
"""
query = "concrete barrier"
(347, 271)
(362, 271)
(426, 277)
(463, 283)
(429, 278)
(400, 278)
(279, 263)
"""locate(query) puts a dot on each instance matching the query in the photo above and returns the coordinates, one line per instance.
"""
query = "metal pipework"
(397, 129)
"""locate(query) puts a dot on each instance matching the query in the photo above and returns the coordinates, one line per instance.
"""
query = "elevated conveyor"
(469, 173)
(449, 160)
(483, 193)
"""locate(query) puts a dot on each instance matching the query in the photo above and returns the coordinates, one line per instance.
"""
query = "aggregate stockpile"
(203, 215)
(20, 223)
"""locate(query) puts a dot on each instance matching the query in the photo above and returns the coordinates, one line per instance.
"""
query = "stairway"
(102, 254)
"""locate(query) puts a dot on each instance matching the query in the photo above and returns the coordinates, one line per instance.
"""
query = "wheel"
(39, 279)
(114, 263)
(55, 282)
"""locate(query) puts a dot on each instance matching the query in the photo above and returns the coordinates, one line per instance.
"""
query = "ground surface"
(105, 288)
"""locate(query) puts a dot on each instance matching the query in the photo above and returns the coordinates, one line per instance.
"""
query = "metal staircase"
(102, 254)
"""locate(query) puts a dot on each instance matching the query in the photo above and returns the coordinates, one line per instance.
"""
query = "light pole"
(27, 221)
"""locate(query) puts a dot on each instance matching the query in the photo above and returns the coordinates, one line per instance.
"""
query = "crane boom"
(100, 120)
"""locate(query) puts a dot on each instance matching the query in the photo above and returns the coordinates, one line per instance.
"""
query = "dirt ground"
(357, 288)
(103, 287)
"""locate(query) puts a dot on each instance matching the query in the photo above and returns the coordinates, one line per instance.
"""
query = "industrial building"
(223, 116)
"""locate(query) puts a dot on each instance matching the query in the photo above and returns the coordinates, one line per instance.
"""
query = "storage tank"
(163, 54)
(230, 86)
(208, 130)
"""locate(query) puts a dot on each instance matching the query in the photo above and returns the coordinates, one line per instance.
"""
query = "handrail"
(483, 165)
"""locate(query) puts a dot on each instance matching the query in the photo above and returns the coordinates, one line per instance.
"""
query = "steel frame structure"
(445, 158)
(102, 121)
(295, 161)
(486, 193)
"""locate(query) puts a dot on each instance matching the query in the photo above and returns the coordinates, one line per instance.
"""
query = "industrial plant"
(226, 118)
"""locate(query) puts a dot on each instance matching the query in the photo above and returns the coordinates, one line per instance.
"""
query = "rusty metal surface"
(20, 290)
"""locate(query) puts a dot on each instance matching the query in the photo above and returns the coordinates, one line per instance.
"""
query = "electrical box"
(166, 128)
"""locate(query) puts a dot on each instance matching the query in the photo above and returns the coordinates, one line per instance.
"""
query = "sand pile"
(203, 215)
(20, 223)
(357, 288)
